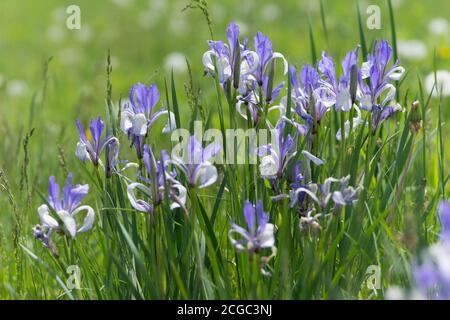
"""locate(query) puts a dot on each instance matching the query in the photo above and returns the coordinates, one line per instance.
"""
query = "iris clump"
(320, 190)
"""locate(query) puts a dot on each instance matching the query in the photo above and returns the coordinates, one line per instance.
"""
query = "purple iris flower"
(322, 193)
(276, 156)
(252, 104)
(259, 232)
(377, 70)
(304, 96)
(263, 47)
(258, 76)
(226, 57)
(65, 208)
(331, 90)
(380, 114)
(154, 184)
(139, 115)
(92, 150)
(298, 182)
(379, 94)
(195, 163)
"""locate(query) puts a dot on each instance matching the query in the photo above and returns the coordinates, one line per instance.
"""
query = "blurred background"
(149, 38)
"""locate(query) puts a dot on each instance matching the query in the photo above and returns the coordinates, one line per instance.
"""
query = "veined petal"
(81, 151)
(296, 192)
(266, 237)
(280, 108)
(365, 69)
(182, 195)
(88, 219)
(210, 151)
(171, 124)
(396, 73)
(268, 166)
(366, 102)
(325, 95)
(390, 95)
(69, 222)
(344, 101)
(139, 124)
(313, 158)
(238, 244)
(46, 219)
(249, 215)
(278, 55)
(125, 121)
(204, 175)
(239, 105)
(207, 60)
(138, 204)
(246, 67)
(223, 69)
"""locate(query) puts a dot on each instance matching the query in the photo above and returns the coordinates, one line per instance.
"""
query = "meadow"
(346, 199)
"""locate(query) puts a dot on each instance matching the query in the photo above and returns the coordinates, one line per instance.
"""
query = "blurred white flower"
(245, 7)
(84, 34)
(443, 83)
(123, 3)
(16, 88)
(438, 26)
(55, 33)
(178, 25)
(270, 12)
(158, 5)
(310, 5)
(69, 56)
(412, 49)
(175, 61)
(147, 19)
(59, 14)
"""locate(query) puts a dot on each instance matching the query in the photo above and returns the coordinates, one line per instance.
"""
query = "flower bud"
(415, 117)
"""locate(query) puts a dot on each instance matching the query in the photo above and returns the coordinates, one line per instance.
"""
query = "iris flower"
(378, 96)
(263, 47)
(276, 156)
(154, 185)
(322, 193)
(92, 150)
(333, 91)
(257, 235)
(226, 57)
(195, 164)
(252, 104)
(303, 94)
(138, 115)
(63, 210)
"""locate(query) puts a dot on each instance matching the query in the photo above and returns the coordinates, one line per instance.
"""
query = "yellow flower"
(443, 52)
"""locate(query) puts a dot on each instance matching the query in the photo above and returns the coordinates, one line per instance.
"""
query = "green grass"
(173, 255)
